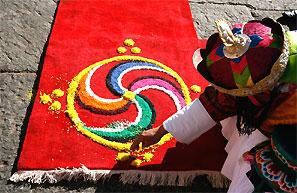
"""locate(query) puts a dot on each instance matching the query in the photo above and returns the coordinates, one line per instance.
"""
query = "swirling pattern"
(273, 172)
(117, 135)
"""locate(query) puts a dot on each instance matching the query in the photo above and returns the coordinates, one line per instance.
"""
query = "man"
(252, 70)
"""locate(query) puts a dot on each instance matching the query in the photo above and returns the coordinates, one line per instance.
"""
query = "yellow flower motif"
(58, 93)
(129, 95)
(147, 156)
(136, 163)
(55, 106)
(121, 50)
(123, 156)
(135, 50)
(196, 88)
(45, 99)
(129, 42)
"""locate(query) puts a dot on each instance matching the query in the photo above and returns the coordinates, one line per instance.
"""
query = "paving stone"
(205, 16)
(25, 26)
(262, 14)
(13, 104)
(255, 4)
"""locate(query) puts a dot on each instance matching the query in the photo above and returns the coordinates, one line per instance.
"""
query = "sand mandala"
(118, 135)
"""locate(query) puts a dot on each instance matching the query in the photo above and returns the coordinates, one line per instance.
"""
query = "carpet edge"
(142, 177)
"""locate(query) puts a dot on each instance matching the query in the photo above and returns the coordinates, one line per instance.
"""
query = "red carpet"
(110, 97)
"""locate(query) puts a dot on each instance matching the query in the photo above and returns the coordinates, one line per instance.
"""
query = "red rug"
(112, 69)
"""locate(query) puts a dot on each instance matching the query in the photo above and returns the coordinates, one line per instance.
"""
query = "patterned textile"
(281, 112)
(274, 168)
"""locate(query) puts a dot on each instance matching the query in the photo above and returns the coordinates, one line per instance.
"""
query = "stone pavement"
(24, 30)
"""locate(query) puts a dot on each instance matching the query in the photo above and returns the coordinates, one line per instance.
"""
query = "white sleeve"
(189, 123)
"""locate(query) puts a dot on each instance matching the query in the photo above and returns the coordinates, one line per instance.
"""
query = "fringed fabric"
(159, 178)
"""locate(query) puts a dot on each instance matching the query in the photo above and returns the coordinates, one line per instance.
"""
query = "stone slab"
(205, 15)
(25, 26)
(271, 5)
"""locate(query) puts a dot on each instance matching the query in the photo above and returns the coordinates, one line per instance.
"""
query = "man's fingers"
(136, 142)
(146, 144)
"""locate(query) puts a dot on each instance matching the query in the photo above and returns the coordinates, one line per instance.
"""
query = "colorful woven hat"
(246, 60)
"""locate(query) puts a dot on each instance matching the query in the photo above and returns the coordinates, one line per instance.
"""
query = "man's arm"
(192, 121)
(189, 123)
(149, 137)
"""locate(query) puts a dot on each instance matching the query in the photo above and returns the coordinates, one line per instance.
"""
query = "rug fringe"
(168, 178)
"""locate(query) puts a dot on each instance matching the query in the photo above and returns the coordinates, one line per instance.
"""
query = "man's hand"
(148, 137)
